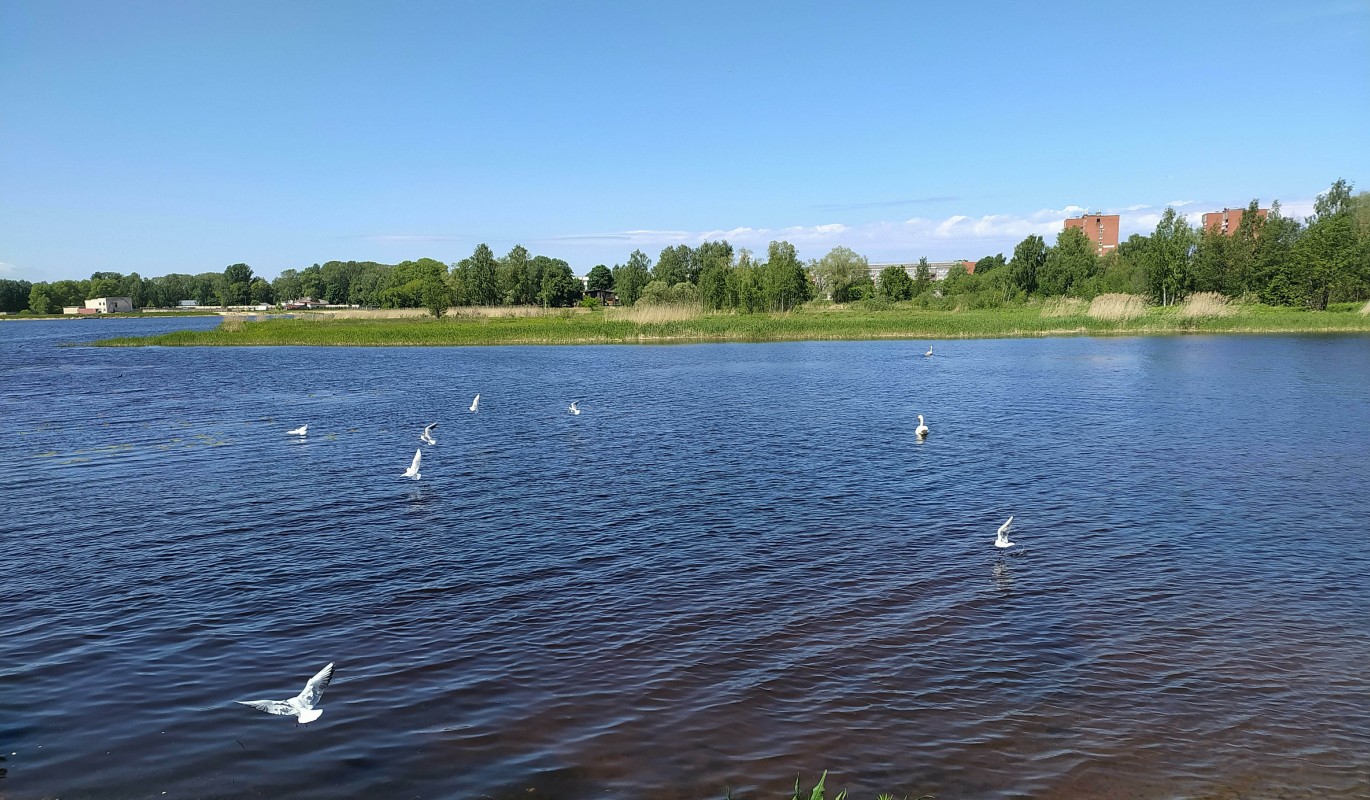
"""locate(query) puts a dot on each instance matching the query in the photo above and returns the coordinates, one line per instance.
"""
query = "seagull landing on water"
(573, 408)
(475, 403)
(922, 430)
(413, 471)
(1001, 541)
(427, 435)
(302, 704)
(929, 353)
(303, 430)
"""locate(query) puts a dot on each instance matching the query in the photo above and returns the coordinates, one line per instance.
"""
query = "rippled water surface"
(735, 565)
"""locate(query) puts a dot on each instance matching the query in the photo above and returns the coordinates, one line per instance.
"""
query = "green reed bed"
(1122, 317)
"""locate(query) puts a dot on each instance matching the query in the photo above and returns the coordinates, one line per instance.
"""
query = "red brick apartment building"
(1227, 220)
(1102, 229)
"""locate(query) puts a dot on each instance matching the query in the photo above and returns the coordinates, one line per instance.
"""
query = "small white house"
(186, 304)
(110, 305)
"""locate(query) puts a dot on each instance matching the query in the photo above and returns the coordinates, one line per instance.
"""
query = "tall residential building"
(1227, 220)
(1102, 229)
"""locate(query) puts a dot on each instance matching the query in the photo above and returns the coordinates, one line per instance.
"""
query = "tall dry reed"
(1117, 307)
(653, 314)
(1365, 310)
(1206, 304)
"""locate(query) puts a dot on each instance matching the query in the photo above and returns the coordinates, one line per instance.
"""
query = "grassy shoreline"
(658, 325)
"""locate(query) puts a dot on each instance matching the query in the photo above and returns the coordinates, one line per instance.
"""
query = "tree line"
(1274, 259)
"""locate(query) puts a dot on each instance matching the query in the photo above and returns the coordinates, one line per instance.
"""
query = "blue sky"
(164, 137)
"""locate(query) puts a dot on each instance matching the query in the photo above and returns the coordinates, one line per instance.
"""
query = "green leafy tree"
(1272, 268)
(745, 288)
(600, 279)
(14, 295)
(259, 291)
(713, 286)
(560, 286)
(713, 253)
(478, 277)
(989, 264)
(311, 282)
(675, 264)
(631, 278)
(235, 290)
(922, 277)
(436, 296)
(1328, 251)
(40, 299)
(1167, 258)
(1028, 257)
(105, 284)
(959, 282)
(515, 275)
(895, 283)
(1240, 252)
(364, 287)
(842, 275)
(287, 287)
(784, 281)
(1069, 264)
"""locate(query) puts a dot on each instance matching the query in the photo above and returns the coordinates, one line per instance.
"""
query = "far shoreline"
(677, 325)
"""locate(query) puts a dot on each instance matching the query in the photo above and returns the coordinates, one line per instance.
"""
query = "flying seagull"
(300, 431)
(1001, 541)
(929, 353)
(475, 403)
(302, 704)
(413, 471)
(921, 430)
(573, 408)
(427, 435)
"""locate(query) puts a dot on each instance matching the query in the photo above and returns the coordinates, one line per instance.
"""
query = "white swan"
(413, 471)
(921, 430)
(303, 430)
(573, 408)
(1001, 540)
(427, 435)
(929, 351)
(302, 704)
(475, 403)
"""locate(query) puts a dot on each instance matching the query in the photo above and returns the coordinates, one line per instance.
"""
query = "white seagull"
(921, 430)
(427, 435)
(1001, 541)
(300, 431)
(413, 471)
(573, 408)
(475, 403)
(302, 704)
(929, 353)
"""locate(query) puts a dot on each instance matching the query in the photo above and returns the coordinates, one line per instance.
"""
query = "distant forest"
(1275, 260)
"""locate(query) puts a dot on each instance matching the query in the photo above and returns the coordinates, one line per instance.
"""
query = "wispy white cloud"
(406, 238)
(954, 236)
(884, 203)
(7, 268)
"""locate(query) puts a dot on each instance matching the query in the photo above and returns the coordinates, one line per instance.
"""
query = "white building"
(110, 305)
(939, 268)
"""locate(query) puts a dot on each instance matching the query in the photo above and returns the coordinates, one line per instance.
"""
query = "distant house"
(604, 296)
(187, 304)
(78, 310)
(1101, 229)
(304, 304)
(1227, 220)
(110, 305)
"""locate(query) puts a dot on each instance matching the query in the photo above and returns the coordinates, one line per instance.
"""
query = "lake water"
(737, 564)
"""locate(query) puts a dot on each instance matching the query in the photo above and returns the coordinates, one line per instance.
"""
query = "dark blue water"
(735, 565)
